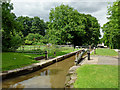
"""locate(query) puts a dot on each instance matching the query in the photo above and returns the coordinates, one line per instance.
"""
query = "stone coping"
(72, 75)
(34, 67)
(95, 59)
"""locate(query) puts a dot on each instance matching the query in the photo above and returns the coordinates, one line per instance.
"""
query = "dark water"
(52, 76)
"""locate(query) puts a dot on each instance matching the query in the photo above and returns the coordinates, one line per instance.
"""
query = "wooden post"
(88, 52)
(54, 53)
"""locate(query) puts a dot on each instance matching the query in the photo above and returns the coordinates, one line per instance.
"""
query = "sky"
(41, 8)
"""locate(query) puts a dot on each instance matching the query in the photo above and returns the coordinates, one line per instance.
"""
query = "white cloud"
(41, 8)
(63, 0)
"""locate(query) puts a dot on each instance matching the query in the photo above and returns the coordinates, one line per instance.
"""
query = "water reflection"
(52, 76)
(44, 72)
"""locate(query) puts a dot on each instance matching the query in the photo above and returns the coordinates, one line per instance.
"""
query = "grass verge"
(97, 76)
(105, 52)
(11, 60)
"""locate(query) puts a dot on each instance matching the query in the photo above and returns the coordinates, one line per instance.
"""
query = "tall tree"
(92, 30)
(68, 25)
(32, 25)
(38, 26)
(64, 20)
(112, 28)
(11, 35)
(26, 23)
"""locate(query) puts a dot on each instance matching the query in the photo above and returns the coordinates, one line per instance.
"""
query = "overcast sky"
(41, 8)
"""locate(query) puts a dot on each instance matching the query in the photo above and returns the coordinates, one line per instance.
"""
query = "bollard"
(54, 53)
(46, 55)
(88, 52)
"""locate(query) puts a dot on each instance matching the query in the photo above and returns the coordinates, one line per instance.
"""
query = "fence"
(36, 49)
(40, 49)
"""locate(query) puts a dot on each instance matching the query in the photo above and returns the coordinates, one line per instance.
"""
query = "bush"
(33, 39)
(27, 42)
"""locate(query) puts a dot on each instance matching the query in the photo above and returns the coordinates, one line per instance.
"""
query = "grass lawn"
(11, 60)
(97, 76)
(59, 52)
(105, 52)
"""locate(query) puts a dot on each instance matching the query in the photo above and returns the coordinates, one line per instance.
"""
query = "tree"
(32, 25)
(112, 28)
(68, 25)
(11, 33)
(92, 30)
(32, 38)
(38, 26)
(26, 23)
(64, 20)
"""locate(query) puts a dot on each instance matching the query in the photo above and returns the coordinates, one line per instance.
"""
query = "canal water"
(52, 76)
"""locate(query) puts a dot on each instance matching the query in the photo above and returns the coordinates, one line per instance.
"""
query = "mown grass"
(97, 76)
(59, 52)
(11, 60)
(105, 52)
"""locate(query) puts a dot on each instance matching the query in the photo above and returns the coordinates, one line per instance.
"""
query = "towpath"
(103, 60)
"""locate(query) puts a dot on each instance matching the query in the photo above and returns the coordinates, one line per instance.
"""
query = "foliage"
(105, 52)
(97, 76)
(38, 26)
(112, 28)
(92, 30)
(32, 25)
(11, 33)
(26, 23)
(101, 41)
(68, 25)
(32, 38)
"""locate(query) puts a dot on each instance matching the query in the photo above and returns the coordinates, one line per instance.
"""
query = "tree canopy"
(32, 25)
(11, 33)
(68, 25)
(111, 29)
(32, 38)
(65, 25)
(15, 29)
